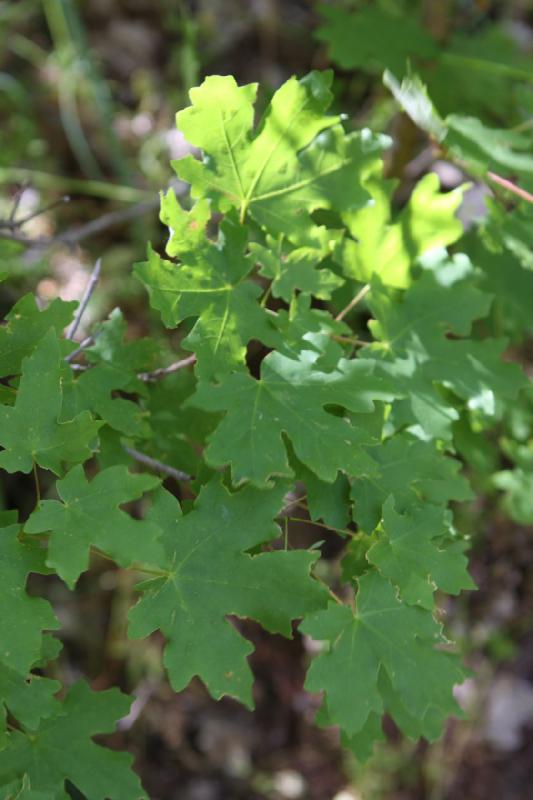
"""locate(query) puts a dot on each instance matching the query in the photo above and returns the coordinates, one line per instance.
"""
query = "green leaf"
(411, 470)
(297, 269)
(374, 38)
(210, 575)
(89, 514)
(517, 483)
(62, 749)
(26, 326)
(95, 390)
(418, 352)
(389, 248)
(412, 552)
(298, 160)
(489, 148)
(209, 284)
(31, 432)
(177, 432)
(326, 501)
(381, 635)
(23, 618)
(111, 347)
(411, 94)
(289, 398)
(28, 699)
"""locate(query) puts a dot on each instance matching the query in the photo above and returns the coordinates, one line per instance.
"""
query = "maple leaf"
(89, 514)
(210, 575)
(488, 148)
(209, 284)
(23, 618)
(26, 326)
(61, 749)
(411, 552)
(28, 699)
(410, 470)
(389, 247)
(177, 432)
(289, 398)
(505, 277)
(126, 357)
(381, 635)
(95, 390)
(295, 269)
(298, 160)
(31, 432)
(371, 38)
(416, 348)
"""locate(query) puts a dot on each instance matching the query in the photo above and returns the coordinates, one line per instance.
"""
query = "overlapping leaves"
(296, 161)
(285, 396)
(208, 574)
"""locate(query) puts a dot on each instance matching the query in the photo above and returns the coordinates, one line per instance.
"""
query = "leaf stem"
(330, 590)
(510, 186)
(37, 486)
(357, 299)
(342, 531)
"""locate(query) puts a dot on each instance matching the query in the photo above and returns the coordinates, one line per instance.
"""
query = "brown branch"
(162, 372)
(157, 466)
(91, 286)
(80, 232)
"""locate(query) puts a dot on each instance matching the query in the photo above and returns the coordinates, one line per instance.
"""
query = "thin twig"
(85, 343)
(13, 223)
(156, 374)
(510, 186)
(27, 241)
(16, 201)
(78, 233)
(357, 299)
(91, 286)
(157, 466)
(122, 215)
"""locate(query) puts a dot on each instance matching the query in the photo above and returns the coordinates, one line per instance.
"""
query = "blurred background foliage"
(88, 96)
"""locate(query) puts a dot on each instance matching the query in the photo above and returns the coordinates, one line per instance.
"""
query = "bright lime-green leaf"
(31, 432)
(62, 749)
(209, 284)
(23, 618)
(410, 470)
(290, 398)
(389, 248)
(210, 575)
(381, 635)
(26, 326)
(89, 514)
(296, 161)
(412, 552)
